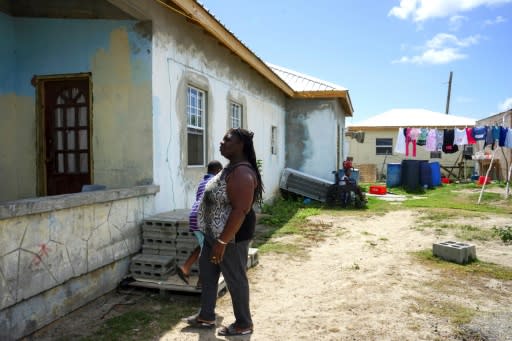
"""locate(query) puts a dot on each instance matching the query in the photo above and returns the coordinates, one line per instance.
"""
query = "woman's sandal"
(196, 322)
(233, 330)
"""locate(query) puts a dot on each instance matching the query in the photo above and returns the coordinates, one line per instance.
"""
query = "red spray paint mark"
(43, 252)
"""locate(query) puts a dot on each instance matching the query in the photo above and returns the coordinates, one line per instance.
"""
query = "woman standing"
(228, 221)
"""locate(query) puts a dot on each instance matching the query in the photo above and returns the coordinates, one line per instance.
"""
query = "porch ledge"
(10, 209)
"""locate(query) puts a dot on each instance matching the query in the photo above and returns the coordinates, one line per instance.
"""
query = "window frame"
(388, 147)
(273, 140)
(236, 108)
(196, 122)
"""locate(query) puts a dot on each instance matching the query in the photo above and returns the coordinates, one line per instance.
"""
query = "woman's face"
(230, 145)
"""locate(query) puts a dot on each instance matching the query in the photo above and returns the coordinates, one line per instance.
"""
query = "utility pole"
(449, 93)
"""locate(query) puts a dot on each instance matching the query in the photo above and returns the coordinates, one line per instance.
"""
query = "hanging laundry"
(503, 136)
(400, 142)
(422, 138)
(448, 146)
(460, 137)
(489, 138)
(469, 135)
(496, 132)
(411, 137)
(508, 139)
(439, 139)
(431, 144)
(479, 133)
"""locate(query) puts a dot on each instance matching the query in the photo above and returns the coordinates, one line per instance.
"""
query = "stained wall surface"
(57, 255)
(315, 136)
(117, 55)
(183, 55)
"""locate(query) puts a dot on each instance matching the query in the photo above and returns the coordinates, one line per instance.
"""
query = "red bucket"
(381, 190)
(484, 179)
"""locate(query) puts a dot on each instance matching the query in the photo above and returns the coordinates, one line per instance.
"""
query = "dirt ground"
(359, 283)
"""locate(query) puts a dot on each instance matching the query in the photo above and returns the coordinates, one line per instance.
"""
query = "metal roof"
(302, 82)
(413, 118)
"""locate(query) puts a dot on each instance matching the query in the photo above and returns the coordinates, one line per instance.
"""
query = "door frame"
(39, 82)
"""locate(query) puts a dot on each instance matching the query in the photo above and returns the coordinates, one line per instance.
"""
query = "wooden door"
(66, 135)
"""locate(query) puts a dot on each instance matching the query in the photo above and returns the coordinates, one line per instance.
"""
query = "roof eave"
(197, 13)
(342, 95)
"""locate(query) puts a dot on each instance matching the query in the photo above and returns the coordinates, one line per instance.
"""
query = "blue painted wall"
(34, 46)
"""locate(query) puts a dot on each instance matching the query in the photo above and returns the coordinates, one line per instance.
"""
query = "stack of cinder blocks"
(166, 243)
(162, 244)
(457, 252)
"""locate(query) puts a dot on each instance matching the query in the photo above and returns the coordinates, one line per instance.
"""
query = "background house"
(503, 156)
(315, 121)
(134, 95)
(380, 139)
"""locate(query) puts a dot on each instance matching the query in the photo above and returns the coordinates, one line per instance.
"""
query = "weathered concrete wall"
(312, 136)
(118, 56)
(59, 253)
(184, 55)
(365, 153)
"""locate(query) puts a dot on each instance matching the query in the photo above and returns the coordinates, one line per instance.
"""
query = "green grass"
(476, 267)
(154, 316)
(457, 313)
(453, 275)
(454, 197)
(289, 217)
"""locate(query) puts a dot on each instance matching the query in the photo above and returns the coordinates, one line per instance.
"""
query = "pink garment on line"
(411, 137)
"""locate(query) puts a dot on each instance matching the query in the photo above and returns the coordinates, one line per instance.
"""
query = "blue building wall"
(117, 53)
(58, 46)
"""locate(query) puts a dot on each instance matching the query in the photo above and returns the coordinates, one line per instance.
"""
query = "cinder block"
(159, 226)
(152, 266)
(457, 252)
(187, 245)
(157, 239)
(150, 249)
(183, 232)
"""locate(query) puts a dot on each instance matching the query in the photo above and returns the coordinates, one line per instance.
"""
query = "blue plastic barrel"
(436, 173)
(426, 175)
(393, 177)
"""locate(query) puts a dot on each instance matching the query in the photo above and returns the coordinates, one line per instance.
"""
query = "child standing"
(183, 271)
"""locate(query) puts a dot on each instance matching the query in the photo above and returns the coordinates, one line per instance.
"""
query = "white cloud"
(498, 20)
(506, 105)
(421, 10)
(456, 21)
(441, 49)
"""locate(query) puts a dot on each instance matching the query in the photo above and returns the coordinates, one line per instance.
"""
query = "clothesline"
(449, 140)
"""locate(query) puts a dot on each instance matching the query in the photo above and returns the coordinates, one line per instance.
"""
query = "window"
(273, 141)
(195, 126)
(384, 146)
(236, 115)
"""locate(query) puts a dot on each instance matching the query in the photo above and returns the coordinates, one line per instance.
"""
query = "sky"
(388, 53)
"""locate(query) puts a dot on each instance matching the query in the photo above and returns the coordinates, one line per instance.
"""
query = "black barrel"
(410, 174)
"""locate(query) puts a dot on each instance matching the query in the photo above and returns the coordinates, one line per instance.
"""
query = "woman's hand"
(217, 252)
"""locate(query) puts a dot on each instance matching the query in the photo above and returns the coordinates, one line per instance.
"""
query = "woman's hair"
(246, 138)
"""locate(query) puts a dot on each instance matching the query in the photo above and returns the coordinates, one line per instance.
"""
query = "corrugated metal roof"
(413, 118)
(301, 82)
